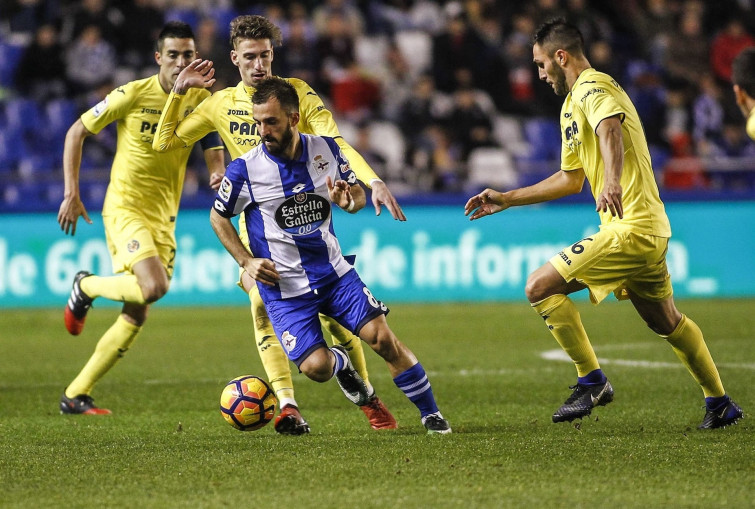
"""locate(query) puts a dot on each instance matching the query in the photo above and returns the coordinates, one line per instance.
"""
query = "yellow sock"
(273, 358)
(562, 318)
(110, 348)
(689, 345)
(351, 343)
(118, 288)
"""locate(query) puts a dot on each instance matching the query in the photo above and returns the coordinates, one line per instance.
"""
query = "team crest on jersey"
(133, 246)
(320, 164)
(302, 213)
(224, 191)
(99, 107)
(288, 341)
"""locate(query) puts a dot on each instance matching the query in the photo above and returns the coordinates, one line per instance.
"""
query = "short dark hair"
(176, 30)
(743, 71)
(254, 27)
(279, 89)
(559, 34)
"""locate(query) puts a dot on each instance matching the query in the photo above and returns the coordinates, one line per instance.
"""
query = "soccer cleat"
(583, 400)
(351, 382)
(436, 424)
(290, 422)
(78, 305)
(729, 414)
(81, 404)
(379, 416)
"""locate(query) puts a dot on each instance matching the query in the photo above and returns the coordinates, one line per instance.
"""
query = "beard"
(559, 83)
(279, 147)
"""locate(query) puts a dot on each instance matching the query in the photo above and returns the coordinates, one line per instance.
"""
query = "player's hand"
(263, 270)
(381, 195)
(611, 199)
(339, 192)
(69, 212)
(215, 179)
(484, 204)
(198, 74)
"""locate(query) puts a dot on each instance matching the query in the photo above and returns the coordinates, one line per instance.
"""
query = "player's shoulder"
(303, 89)
(591, 78)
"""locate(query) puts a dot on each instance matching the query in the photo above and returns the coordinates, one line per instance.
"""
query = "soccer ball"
(248, 403)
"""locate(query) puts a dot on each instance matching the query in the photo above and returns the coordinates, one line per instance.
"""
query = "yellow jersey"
(142, 179)
(596, 96)
(229, 112)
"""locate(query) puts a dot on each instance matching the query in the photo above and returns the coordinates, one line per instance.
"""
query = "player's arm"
(381, 195)
(169, 135)
(558, 185)
(261, 269)
(319, 120)
(350, 198)
(72, 207)
(214, 158)
(612, 152)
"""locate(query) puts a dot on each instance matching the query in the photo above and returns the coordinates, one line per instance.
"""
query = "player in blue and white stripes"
(285, 188)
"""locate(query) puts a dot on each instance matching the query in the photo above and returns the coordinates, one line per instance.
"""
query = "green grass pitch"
(166, 444)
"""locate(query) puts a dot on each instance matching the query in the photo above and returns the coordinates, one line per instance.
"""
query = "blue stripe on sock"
(595, 377)
(414, 384)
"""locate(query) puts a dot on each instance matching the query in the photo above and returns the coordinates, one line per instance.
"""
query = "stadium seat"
(60, 114)
(10, 149)
(369, 51)
(544, 137)
(10, 56)
(507, 131)
(23, 115)
(490, 167)
(386, 139)
(417, 48)
(31, 167)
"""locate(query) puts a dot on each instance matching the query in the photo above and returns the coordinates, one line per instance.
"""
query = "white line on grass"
(560, 355)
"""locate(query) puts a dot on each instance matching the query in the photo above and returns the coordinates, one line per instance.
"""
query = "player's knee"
(317, 372)
(534, 289)
(153, 291)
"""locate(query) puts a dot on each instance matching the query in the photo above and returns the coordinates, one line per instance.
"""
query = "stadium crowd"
(439, 96)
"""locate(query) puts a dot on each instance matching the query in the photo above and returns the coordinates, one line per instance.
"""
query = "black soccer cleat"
(436, 424)
(81, 404)
(351, 382)
(583, 400)
(729, 413)
(78, 305)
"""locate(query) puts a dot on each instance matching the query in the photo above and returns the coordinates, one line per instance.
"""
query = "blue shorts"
(296, 321)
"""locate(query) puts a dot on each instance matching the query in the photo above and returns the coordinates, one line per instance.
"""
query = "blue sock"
(414, 383)
(340, 361)
(594, 377)
(714, 404)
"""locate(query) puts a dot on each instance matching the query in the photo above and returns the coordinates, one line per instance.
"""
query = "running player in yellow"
(603, 142)
(139, 211)
(229, 112)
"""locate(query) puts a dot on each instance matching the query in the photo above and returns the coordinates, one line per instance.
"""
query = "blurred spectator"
(394, 15)
(601, 56)
(397, 81)
(144, 22)
(41, 72)
(707, 116)
(212, 45)
(654, 25)
(438, 161)
(335, 47)
(298, 55)
(99, 13)
(726, 45)
(593, 25)
(362, 143)
(90, 61)
(522, 76)
(345, 10)
(687, 55)
(424, 107)
(20, 19)
(469, 123)
(676, 123)
(355, 94)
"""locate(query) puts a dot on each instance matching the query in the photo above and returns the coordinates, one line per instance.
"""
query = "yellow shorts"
(614, 260)
(131, 239)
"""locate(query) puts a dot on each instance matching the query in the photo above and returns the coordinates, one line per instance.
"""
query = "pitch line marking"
(560, 355)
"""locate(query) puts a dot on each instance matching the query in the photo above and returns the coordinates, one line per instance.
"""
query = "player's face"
(254, 58)
(549, 71)
(175, 55)
(275, 127)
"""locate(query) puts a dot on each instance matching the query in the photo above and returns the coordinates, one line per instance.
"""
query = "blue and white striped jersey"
(288, 212)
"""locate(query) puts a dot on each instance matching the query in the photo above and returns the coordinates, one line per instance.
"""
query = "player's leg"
(688, 343)
(111, 347)
(377, 413)
(142, 254)
(277, 368)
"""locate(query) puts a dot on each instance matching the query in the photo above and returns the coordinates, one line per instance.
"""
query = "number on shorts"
(373, 301)
(577, 248)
